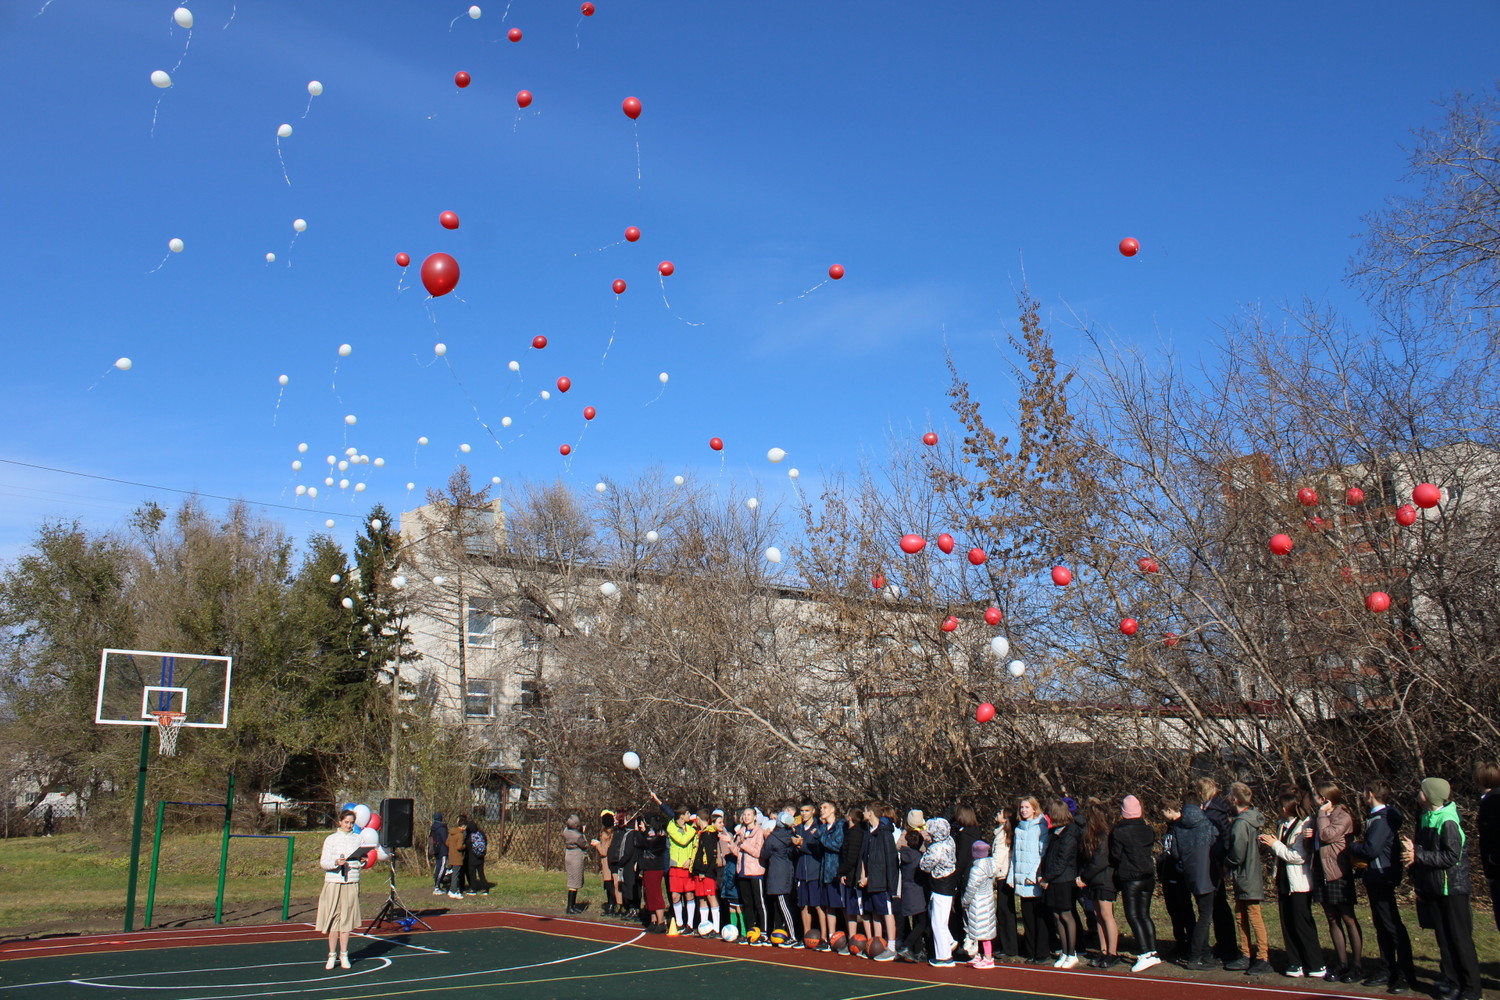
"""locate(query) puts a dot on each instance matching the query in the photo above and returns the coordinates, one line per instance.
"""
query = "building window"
(539, 775)
(531, 696)
(479, 700)
(480, 626)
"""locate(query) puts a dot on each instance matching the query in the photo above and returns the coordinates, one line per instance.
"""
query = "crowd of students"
(869, 880)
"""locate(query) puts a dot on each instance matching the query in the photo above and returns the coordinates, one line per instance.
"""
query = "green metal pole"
(161, 811)
(135, 830)
(224, 851)
(286, 892)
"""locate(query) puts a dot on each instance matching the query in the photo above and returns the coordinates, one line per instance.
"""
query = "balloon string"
(658, 395)
(637, 156)
(507, 11)
(234, 9)
(276, 412)
(400, 286)
(111, 367)
(333, 381)
(613, 326)
(580, 253)
(453, 22)
(472, 405)
(154, 112)
(185, 47)
(284, 175)
(309, 106)
(661, 280)
(163, 263)
(576, 43)
(805, 294)
(44, 9)
(290, 245)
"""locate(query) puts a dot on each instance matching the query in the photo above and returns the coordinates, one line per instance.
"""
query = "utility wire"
(173, 489)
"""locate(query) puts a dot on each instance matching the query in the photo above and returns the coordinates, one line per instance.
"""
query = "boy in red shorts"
(682, 841)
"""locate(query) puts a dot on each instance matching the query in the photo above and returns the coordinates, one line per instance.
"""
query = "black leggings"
(918, 936)
(753, 901)
(1005, 923)
(1137, 893)
(1034, 920)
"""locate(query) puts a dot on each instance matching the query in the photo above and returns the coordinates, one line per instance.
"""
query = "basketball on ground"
(811, 942)
(877, 947)
(857, 944)
(839, 941)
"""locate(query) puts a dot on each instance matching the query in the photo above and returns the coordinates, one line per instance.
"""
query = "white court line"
(108, 982)
(188, 933)
(402, 944)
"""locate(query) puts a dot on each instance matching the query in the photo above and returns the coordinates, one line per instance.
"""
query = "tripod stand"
(394, 911)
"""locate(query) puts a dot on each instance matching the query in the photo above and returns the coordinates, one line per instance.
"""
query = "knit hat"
(915, 820)
(1437, 791)
(980, 850)
(785, 818)
(1130, 808)
(437, 817)
(1071, 803)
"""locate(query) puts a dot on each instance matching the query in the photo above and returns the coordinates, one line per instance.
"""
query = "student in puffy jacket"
(1006, 943)
(748, 846)
(941, 867)
(1194, 837)
(1293, 846)
(1059, 879)
(879, 878)
(1381, 851)
(1097, 879)
(1174, 890)
(1130, 845)
(1027, 848)
(1333, 880)
(979, 905)
(437, 849)
(1440, 876)
(781, 877)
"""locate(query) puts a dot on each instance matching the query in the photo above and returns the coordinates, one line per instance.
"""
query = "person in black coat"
(1193, 839)
(1130, 845)
(880, 874)
(437, 849)
(966, 833)
(848, 872)
(1487, 777)
(1380, 849)
(916, 934)
(779, 856)
(1058, 878)
(1220, 813)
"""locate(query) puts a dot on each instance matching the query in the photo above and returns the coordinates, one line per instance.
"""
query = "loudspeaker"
(395, 823)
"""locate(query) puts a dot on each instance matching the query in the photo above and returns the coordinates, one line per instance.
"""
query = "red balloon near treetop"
(461, 79)
(945, 542)
(523, 98)
(1426, 496)
(514, 34)
(984, 713)
(912, 544)
(448, 220)
(403, 259)
(632, 234)
(1130, 246)
(977, 556)
(439, 274)
(632, 107)
(665, 268)
(930, 438)
(836, 271)
(992, 616)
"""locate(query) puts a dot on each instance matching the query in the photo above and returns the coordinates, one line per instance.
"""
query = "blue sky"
(928, 148)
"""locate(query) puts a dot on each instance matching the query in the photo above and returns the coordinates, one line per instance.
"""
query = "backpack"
(477, 843)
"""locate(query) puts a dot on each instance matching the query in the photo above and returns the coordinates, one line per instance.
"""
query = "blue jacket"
(1381, 846)
(1194, 836)
(777, 855)
(830, 842)
(1026, 856)
(810, 854)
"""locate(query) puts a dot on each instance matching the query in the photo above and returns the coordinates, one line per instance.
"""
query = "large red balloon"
(372, 858)
(1130, 246)
(877, 581)
(950, 623)
(564, 383)
(836, 271)
(523, 98)
(403, 259)
(665, 268)
(374, 822)
(1307, 496)
(588, 10)
(619, 286)
(717, 444)
(977, 556)
(930, 438)
(632, 234)
(1426, 496)
(589, 413)
(984, 713)
(539, 341)
(1130, 626)
(1378, 601)
(514, 34)
(1354, 497)
(439, 274)
(448, 220)
(631, 106)
(1406, 515)
(566, 449)
(1281, 544)
(945, 542)
(1148, 565)
(1062, 576)
(912, 544)
(461, 79)
(992, 616)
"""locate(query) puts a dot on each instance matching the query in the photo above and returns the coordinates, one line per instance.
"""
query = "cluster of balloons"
(367, 825)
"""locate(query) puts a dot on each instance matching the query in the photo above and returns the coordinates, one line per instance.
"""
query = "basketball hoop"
(168, 726)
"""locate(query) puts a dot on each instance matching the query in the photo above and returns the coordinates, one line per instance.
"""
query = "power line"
(173, 489)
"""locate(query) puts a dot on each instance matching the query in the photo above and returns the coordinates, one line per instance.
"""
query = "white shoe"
(1061, 959)
(344, 960)
(439, 892)
(332, 959)
(1070, 962)
(455, 895)
(1144, 962)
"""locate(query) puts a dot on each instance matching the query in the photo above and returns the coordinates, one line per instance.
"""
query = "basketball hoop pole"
(135, 830)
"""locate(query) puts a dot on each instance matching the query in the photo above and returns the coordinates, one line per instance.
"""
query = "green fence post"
(224, 851)
(286, 892)
(161, 811)
(135, 831)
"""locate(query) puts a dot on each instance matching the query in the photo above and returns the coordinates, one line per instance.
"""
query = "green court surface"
(509, 963)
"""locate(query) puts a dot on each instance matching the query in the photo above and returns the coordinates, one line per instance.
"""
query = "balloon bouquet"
(367, 825)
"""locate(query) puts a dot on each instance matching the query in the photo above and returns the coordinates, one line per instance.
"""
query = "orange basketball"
(857, 944)
(877, 947)
(838, 940)
(811, 942)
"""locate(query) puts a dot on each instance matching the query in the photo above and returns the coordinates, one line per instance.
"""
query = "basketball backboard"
(136, 684)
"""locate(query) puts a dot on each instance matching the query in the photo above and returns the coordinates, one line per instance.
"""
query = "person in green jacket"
(1440, 876)
(1244, 864)
(682, 842)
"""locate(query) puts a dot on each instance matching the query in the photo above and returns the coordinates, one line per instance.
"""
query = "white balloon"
(328, 523)
(891, 592)
(439, 349)
(678, 480)
(343, 466)
(515, 366)
(332, 459)
(283, 131)
(270, 258)
(377, 524)
(343, 484)
(546, 394)
(792, 473)
(495, 480)
(282, 379)
(124, 364)
(1016, 668)
(631, 760)
(174, 245)
(345, 350)
(297, 465)
(775, 455)
(351, 451)
(302, 448)
(335, 578)
(379, 463)
(301, 490)
(161, 79)
(410, 487)
(359, 487)
(328, 481)
(505, 421)
(369, 838)
(422, 440)
(465, 448)
(608, 589)
(773, 554)
(183, 17)
(312, 491)
(1000, 646)
(652, 536)
(474, 12)
(398, 582)
(600, 487)
(752, 503)
(315, 88)
(361, 815)
(300, 225)
(662, 378)
(439, 580)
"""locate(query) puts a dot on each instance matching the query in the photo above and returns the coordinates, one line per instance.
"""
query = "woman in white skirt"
(338, 904)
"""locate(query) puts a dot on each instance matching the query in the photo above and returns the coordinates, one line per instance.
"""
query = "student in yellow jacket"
(682, 841)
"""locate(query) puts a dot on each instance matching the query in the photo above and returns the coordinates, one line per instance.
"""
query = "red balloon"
(1130, 626)
(588, 10)
(632, 234)
(665, 268)
(977, 556)
(439, 274)
(1281, 544)
(523, 98)
(448, 220)
(984, 713)
(930, 438)
(374, 823)
(992, 616)
(403, 259)
(945, 542)
(461, 79)
(877, 581)
(1307, 496)
(566, 449)
(950, 623)
(912, 544)
(1148, 565)
(1426, 496)
(1171, 639)
(1378, 601)
(372, 858)
(1062, 576)
(1130, 246)
(514, 34)
(1314, 523)
(717, 444)
(539, 342)
(619, 286)
(836, 271)
(564, 383)
(589, 413)
(632, 107)
(1354, 497)
(1406, 515)
(1347, 574)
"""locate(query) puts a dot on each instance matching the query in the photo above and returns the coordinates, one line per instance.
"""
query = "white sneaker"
(439, 892)
(1061, 960)
(332, 960)
(455, 895)
(1070, 962)
(1144, 962)
(344, 960)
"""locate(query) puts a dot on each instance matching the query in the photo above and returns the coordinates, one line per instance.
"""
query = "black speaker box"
(395, 823)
